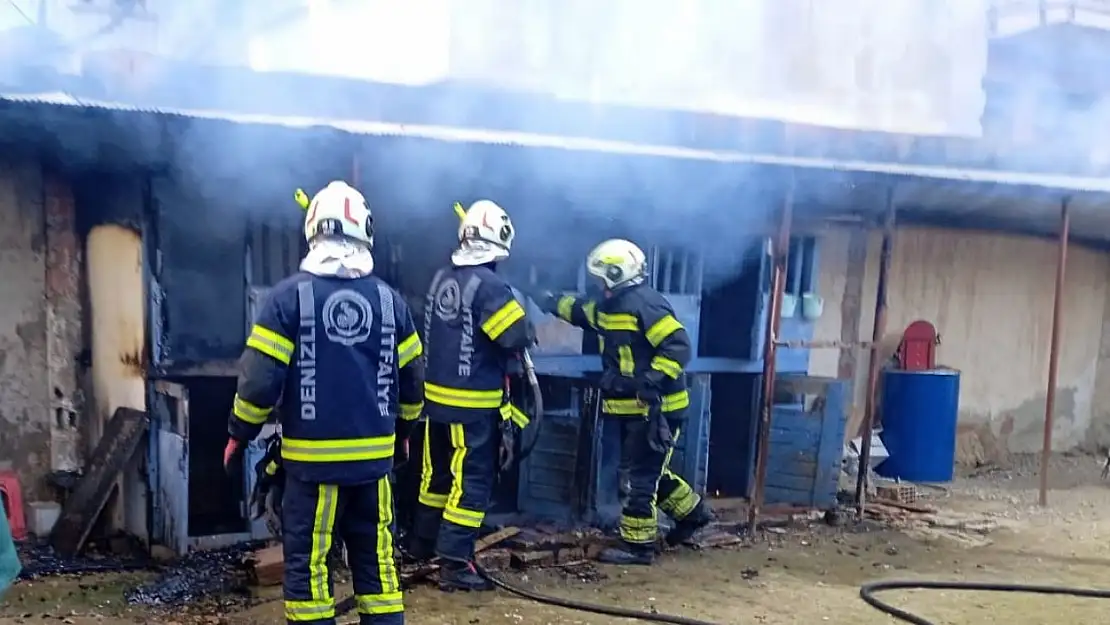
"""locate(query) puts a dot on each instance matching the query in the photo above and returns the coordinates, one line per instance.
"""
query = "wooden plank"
(774, 494)
(117, 445)
(830, 449)
(905, 506)
(807, 439)
(530, 559)
(802, 385)
(790, 482)
(268, 565)
(797, 463)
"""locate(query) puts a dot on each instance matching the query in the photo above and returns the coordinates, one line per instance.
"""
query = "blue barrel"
(919, 412)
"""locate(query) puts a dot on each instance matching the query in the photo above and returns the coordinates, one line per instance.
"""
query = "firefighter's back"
(340, 398)
(465, 368)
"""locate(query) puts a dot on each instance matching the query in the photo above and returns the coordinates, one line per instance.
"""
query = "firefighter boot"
(455, 575)
(628, 554)
(417, 551)
(685, 529)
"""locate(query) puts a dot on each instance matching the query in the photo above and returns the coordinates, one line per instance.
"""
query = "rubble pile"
(42, 561)
(199, 575)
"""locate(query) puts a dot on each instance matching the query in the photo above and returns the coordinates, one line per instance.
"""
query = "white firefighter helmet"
(617, 263)
(339, 210)
(485, 235)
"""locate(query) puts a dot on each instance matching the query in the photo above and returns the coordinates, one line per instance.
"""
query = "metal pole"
(873, 365)
(779, 250)
(1054, 348)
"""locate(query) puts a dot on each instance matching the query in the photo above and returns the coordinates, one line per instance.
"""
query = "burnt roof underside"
(726, 173)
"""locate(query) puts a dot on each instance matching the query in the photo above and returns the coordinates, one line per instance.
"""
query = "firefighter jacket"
(344, 357)
(473, 328)
(641, 342)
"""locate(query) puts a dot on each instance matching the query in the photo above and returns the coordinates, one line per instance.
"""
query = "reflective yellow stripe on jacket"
(408, 350)
(271, 343)
(667, 367)
(660, 330)
(633, 407)
(339, 450)
(618, 321)
(503, 319)
(411, 412)
(248, 412)
(463, 398)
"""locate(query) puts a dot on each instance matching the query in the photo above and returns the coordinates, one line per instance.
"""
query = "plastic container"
(44, 514)
(789, 305)
(813, 306)
(920, 410)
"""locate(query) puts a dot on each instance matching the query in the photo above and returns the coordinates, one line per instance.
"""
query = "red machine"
(918, 349)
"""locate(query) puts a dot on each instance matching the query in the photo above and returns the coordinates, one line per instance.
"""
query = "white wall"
(990, 297)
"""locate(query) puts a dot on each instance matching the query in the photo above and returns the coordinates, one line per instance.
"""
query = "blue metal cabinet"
(806, 448)
(691, 456)
(549, 483)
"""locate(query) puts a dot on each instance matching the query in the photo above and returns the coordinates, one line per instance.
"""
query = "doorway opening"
(217, 503)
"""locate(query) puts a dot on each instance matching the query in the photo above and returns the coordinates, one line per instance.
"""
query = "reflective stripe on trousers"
(363, 516)
(459, 468)
(651, 480)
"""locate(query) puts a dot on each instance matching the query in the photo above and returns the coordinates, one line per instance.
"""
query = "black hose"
(867, 593)
(582, 606)
(537, 405)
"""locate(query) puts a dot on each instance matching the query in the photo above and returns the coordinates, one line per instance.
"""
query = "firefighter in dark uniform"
(473, 328)
(339, 347)
(644, 350)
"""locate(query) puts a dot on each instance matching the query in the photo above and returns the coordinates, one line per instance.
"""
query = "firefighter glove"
(617, 384)
(269, 477)
(547, 301)
(659, 431)
(233, 457)
(647, 389)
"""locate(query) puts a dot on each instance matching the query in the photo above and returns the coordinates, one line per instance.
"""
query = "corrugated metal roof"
(1061, 183)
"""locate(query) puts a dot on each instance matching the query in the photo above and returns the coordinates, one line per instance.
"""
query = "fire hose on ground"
(537, 406)
(868, 591)
(348, 604)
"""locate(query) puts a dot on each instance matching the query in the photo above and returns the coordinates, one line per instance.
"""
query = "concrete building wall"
(25, 398)
(40, 325)
(990, 297)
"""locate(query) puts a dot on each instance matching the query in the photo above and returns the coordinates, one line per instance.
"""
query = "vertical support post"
(873, 365)
(1054, 348)
(780, 248)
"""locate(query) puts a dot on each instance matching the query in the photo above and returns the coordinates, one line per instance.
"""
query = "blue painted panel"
(793, 360)
(547, 487)
(805, 450)
(691, 455)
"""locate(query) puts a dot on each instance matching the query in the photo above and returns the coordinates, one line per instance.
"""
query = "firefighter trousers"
(652, 485)
(456, 484)
(314, 516)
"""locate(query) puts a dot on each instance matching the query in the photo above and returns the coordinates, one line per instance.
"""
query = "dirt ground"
(990, 528)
